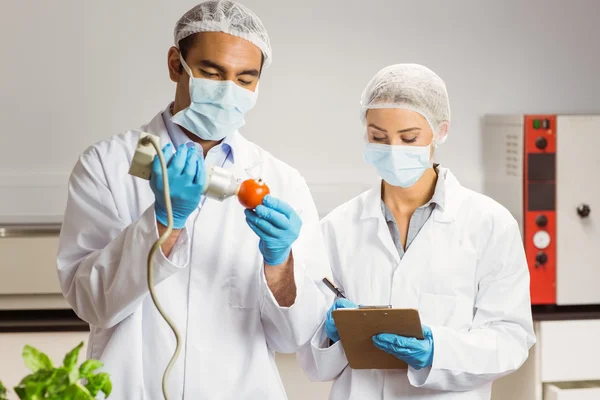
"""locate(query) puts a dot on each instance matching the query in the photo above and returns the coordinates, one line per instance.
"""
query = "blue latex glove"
(416, 353)
(330, 329)
(187, 178)
(277, 225)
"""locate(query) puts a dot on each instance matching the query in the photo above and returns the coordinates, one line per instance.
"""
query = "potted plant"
(67, 382)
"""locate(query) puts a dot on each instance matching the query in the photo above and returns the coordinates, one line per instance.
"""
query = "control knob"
(541, 221)
(541, 258)
(541, 142)
(583, 210)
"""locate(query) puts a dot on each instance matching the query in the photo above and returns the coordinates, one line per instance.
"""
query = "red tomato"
(251, 193)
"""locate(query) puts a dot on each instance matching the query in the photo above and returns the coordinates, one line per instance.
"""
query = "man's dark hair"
(186, 44)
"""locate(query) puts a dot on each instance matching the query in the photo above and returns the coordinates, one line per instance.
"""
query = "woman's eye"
(378, 139)
(412, 140)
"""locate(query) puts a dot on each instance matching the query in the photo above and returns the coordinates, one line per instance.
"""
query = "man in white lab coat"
(238, 284)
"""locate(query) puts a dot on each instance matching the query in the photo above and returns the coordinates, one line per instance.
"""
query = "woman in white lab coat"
(418, 239)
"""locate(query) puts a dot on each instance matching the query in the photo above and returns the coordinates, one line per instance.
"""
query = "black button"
(541, 221)
(583, 210)
(541, 258)
(541, 143)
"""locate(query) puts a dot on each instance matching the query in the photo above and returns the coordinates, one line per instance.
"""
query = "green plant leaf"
(100, 382)
(81, 393)
(35, 384)
(41, 376)
(89, 366)
(71, 358)
(34, 390)
(63, 383)
(26, 379)
(2, 392)
(74, 376)
(93, 384)
(107, 388)
(20, 391)
(60, 382)
(35, 360)
(93, 389)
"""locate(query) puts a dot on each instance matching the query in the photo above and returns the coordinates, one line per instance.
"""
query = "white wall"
(74, 72)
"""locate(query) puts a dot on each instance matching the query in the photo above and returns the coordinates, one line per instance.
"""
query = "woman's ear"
(443, 131)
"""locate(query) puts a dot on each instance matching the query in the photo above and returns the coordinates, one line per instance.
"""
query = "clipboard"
(356, 328)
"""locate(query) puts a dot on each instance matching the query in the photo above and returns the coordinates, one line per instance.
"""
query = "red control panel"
(539, 206)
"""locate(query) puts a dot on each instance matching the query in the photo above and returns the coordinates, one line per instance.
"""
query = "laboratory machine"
(544, 169)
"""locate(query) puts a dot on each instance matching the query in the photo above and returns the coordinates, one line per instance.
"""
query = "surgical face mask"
(399, 166)
(217, 108)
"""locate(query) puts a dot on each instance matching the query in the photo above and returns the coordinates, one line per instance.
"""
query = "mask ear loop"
(185, 66)
(189, 72)
(435, 132)
(434, 142)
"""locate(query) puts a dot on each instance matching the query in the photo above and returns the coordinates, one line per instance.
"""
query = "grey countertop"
(67, 320)
(32, 227)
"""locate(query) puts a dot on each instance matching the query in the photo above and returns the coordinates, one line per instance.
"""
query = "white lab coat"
(212, 284)
(465, 272)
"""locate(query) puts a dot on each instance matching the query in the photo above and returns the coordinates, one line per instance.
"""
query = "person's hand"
(277, 225)
(416, 353)
(187, 178)
(330, 329)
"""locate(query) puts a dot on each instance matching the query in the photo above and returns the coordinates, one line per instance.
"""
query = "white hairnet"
(227, 17)
(411, 87)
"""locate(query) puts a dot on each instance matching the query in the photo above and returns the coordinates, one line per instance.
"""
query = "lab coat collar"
(157, 127)
(452, 198)
(371, 202)
(245, 155)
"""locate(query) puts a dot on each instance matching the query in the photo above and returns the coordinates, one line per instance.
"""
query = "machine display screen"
(541, 196)
(541, 167)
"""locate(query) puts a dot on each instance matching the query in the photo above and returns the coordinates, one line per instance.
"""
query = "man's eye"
(209, 74)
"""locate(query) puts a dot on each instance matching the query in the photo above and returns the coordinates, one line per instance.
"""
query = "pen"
(333, 288)
(339, 293)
